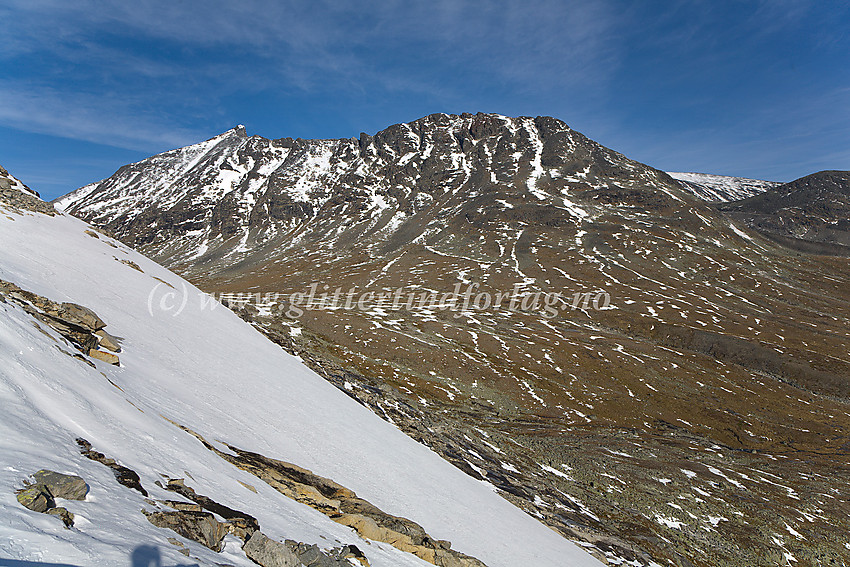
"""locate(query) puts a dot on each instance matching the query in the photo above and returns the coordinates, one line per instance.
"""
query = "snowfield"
(722, 188)
(209, 371)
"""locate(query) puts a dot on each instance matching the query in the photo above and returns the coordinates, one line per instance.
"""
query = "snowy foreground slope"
(209, 371)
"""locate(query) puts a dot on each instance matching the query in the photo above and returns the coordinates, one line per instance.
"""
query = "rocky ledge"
(77, 324)
(20, 197)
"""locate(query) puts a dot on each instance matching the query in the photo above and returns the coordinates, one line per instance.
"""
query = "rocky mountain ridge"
(811, 214)
(234, 194)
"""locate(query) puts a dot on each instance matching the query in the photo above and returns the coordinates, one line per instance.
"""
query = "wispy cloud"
(108, 120)
(735, 87)
(175, 53)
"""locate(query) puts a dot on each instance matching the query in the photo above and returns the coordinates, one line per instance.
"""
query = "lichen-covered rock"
(70, 487)
(36, 497)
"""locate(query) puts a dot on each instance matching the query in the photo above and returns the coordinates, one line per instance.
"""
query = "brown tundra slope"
(695, 414)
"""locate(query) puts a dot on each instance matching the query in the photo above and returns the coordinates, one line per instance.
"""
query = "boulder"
(36, 497)
(80, 316)
(66, 486)
(268, 552)
(201, 527)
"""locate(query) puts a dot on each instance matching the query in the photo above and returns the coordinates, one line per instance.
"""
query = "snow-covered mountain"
(654, 428)
(199, 395)
(234, 196)
(722, 188)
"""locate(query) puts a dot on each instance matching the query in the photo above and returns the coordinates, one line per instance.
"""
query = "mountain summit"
(234, 194)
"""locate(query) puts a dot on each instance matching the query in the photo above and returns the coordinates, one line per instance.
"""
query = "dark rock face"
(811, 214)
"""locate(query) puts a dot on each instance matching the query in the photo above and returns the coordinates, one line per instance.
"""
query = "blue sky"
(748, 88)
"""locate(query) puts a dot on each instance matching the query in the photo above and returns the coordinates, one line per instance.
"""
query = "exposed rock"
(179, 545)
(182, 506)
(311, 556)
(268, 552)
(66, 516)
(36, 497)
(123, 475)
(77, 315)
(76, 323)
(201, 527)
(70, 487)
(343, 506)
(107, 357)
(238, 523)
(21, 197)
(109, 342)
(131, 263)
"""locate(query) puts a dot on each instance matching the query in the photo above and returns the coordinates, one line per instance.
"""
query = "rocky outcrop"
(40, 495)
(123, 475)
(270, 553)
(344, 506)
(201, 527)
(78, 324)
(20, 197)
(198, 521)
(238, 523)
